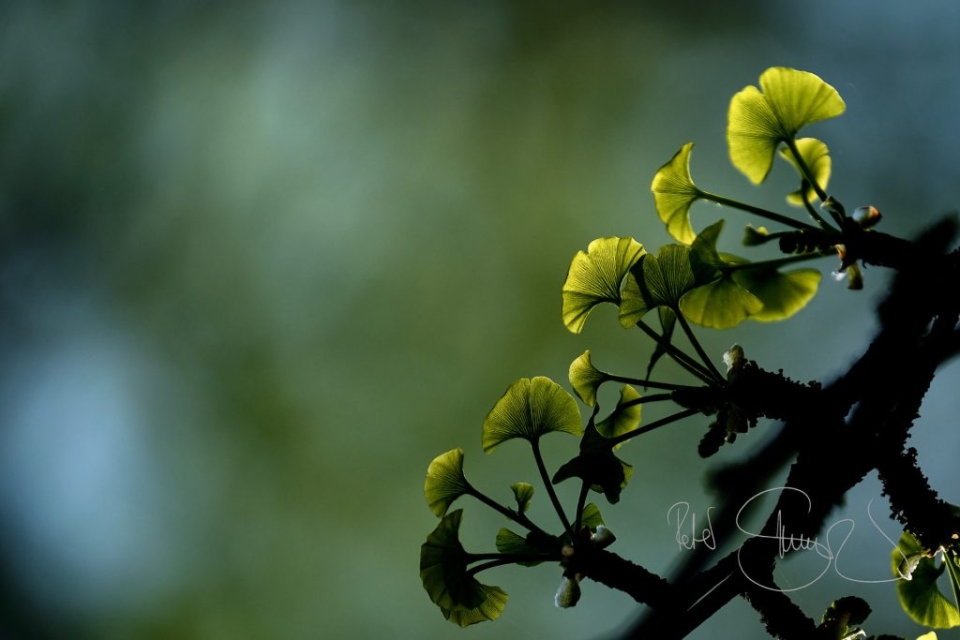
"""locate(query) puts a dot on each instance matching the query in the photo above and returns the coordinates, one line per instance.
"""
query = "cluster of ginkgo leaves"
(689, 281)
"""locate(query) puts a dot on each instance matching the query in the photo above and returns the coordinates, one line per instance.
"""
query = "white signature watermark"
(690, 535)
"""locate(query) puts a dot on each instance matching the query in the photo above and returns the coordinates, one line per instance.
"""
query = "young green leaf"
(817, 158)
(591, 516)
(443, 571)
(674, 193)
(625, 417)
(919, 595)
(720, 304)
(523, 492)
(445, 481)
(586, 379)
(597, 466)
(782, 294)
(534, 544)
(660, 281)
(529, 409)
(760, 119)
(595, 277)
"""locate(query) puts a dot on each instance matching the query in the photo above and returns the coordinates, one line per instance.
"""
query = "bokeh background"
(260, 262)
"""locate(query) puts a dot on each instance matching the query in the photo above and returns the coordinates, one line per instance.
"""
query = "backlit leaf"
(586, 379)
(674, 192)
(625, 417)
(782, 294)
(529, 409)
(523, 492)
(919, 596)
(591, 517)
(443, 571)
(533, 544)
(720, 304)
(660, 281)
(445, 481)
(595, 277)
(760, 119)
(596, 465)
(817, 158)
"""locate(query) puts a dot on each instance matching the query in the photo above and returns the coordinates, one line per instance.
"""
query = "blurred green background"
(261, 262)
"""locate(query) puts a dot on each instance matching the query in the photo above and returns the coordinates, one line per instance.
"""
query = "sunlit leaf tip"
(673, 194)
(530, 408)
(445, 481)
(917, 587)
(586, 379)
(759, 120)
(625, 417)
(595, 277)
(443, 571)
(523, 492)
(817, 158)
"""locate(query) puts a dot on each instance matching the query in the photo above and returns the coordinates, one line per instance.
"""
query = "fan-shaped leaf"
(586, 379)
(760, 119)
(591, 517)
(597, 466)
(674, 192)
(782, 294)
(443, 571)
(595, 277)
(445, 481)
(919, 595)
(661, 280)
(625, 417)
(523, 492)
(529, 409)
(817, 158)
(534, 544)
(720, 304)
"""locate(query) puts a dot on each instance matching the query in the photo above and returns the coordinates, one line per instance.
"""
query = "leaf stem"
(812, 211)
(682, 359)
(667, 386)
(757, 211)
(775, 262)
(656, 397)
(501, 559)
(696, 345)
(519, 518)
(581, 503)
(535, 444)
(686, 413)
(804, 169)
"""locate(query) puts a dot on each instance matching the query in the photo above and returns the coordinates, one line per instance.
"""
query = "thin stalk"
(550, 490)
(507, 558)
(656, 397)
(686, 413)
(667, 386)
(813, 212)
(775, 262)
(757, 211)
(581, 503)
(696, 345)
(804, 169)
(682, 359)
(519, 518)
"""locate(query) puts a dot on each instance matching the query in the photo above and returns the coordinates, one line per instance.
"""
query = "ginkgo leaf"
(674, 193)
(529, 409)
(445, 481)
(625, 417)
(586, 379)
(535, 543)
(760, 119)
(660, 281)
(595, 277)
(817, 158)
(596, 465)
(720, 304)
(782, 294)
(591, 517)
(443, 571)
(523, 492)
(845, 613)
(919, 595)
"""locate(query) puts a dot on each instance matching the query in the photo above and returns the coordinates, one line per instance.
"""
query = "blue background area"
(261, 262)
